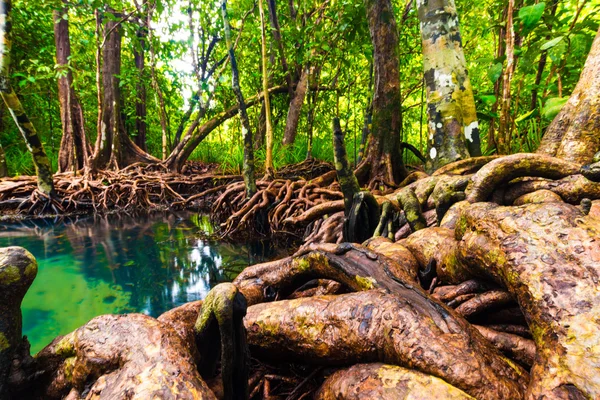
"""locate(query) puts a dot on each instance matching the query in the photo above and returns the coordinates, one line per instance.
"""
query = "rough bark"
(549, 259)
(108, 149)
(248, 167)
(14, 106)
(372, 326)
(129, 356)
(451, 110)
(140, 101)
(295, 109)
(18, 269)
(383, 161)
(503, 137)
(573, 134)
(74, 148)
(386, 382)
(220, 322)
(348, 182)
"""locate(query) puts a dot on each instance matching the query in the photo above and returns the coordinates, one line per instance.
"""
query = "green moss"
(4, 344)
(365, 283)
(65, 347)
(9, 275)
(31, 269)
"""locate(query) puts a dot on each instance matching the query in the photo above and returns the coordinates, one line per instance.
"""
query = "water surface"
(116, 264)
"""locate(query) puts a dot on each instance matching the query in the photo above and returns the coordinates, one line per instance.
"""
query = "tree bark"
(3, 165)
(453, 124)
(267, 101)
(293, 116)
(383, 161)
(248, 168)
(140, 102)
(505, 123)
(30, 135)
(573, 134)
(114, 149)
(554, 278)
(74, 148)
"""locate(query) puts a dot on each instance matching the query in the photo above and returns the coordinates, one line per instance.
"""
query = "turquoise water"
(101, 265)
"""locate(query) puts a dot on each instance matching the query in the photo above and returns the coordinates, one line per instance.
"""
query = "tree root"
(374, 326)
(513, 346)
(548, 259)
(386, 382)
(120, 356)
(514, 166)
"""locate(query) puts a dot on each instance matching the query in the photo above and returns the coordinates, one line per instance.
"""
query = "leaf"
(495, 72)
(553, 106)
(551, 43)
(525, 116)
(531, 15)
(488, 99)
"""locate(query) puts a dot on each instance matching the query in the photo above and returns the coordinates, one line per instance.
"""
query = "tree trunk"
(505, 123)
(113, 147)
(267, 101)
(74, 147)
(573, 134)
(32, 139)
(140, 103)
(107, 149)
(275, 29)
(450, 103)
(554, 278)
(248, 168)
(383, 162)
(293, 116)
(3, 166)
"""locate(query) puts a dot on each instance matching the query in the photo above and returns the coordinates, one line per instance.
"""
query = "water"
(103, 265)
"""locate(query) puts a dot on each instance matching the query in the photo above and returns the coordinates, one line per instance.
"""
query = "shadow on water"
(117, 264)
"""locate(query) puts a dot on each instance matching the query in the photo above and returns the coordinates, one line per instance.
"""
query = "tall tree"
(453, 124)
(74, 147)
(114, 149)
(30, 135)
(574, 134)
(139, 55)
(267, 102)
(248, 168)
(383, 162)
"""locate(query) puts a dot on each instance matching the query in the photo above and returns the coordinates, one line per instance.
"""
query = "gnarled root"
(513, 346)
(120, 356)
(549, 259)
(18, 269)
(375, 326)
(514, 166)
(220, 321)
(386, 382)
(354, 266)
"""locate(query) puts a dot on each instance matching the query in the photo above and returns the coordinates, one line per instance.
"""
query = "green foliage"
(331, 36)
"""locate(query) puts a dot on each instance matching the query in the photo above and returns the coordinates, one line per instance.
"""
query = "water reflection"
(115, 264)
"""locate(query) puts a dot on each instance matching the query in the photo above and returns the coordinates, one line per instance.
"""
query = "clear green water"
(116, 264)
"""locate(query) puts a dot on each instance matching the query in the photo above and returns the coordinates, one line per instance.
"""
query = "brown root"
(483, 302)
(386, 382)
(548, 259)
(510, 167)
(513, 346)
(121, 356)
(374, 326)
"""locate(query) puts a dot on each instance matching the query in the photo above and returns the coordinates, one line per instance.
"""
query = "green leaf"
(525, 116)
(495, 72)
(553, 106)
(551, 43)
(488, 99)
(531, 15)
